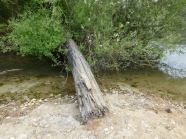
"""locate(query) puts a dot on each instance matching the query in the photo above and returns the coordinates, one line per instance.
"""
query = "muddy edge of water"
(151, 82)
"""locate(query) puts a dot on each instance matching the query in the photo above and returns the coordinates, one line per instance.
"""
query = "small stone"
(106, 130)
(33, 99)
(23, 108)
(45, 100)
(8, 117)
(168, 110)
(168, 127)
(12, 137)
(156, 111)
(115, 92)
(26, 104)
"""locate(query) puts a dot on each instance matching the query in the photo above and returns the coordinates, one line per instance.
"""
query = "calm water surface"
(37, 79)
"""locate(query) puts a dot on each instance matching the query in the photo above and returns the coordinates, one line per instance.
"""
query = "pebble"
(23, 108)
(108, 130)
(26, 104)
(8, 117)
(168, 110)
(115, 92)
(168, 127)
(33, 99)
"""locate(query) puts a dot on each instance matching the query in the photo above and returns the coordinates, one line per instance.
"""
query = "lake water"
(37, 79)
(174, 62)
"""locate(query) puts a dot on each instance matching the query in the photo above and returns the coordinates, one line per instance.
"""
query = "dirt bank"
(132, 115)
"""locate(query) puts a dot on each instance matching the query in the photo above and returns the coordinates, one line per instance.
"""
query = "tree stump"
(90, 97)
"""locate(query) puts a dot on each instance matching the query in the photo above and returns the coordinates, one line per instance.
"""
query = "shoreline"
(132, 114)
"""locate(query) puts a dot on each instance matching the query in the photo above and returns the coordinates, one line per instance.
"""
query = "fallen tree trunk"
(90, 97)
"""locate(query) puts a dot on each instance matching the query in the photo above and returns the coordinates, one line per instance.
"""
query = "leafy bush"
(37, 34)
(116, 33)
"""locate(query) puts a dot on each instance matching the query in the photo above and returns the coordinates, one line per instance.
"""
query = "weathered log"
(90, 97)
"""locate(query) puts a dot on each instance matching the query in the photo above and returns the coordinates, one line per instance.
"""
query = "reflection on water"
(174, 62)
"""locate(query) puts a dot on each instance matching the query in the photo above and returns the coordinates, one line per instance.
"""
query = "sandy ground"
(132, 115)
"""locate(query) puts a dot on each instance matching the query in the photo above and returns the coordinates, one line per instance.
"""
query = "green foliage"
(124, 54)
(37, 34)
(113, 34)
(116, 33)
